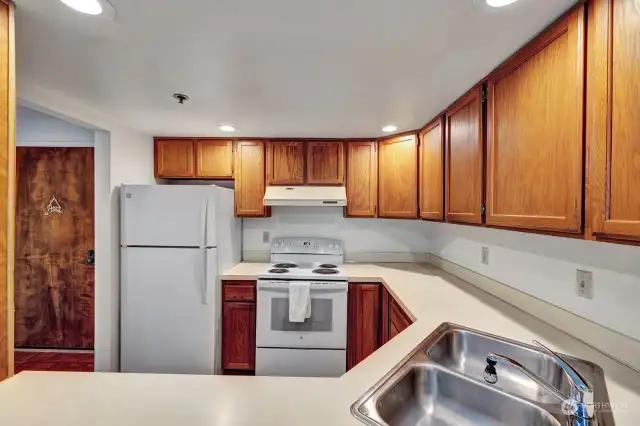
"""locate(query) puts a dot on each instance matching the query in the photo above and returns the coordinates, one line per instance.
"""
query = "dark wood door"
(363, 322)
(238, 335)
(285, 163)
(325, 163)
(613, 128)
(398, 177)
(463, 153)
(54, 287)
(362, 179)
(535, 132)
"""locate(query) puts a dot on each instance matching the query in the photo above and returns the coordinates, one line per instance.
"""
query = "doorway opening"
(54, 293)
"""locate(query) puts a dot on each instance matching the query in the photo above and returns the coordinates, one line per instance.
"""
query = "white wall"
(35, 128)
(545, 267)
(365, 239)
(122, 155)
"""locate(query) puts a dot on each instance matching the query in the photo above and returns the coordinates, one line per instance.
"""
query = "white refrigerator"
(175, 241)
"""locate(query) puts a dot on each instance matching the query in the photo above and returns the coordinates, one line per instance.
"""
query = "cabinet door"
(249, 171)
(613, 128)
(398, 177)
(214, 158)
(463, 166)
(362, 179)
(534, 132)
(431, 185)
(385, 315)
(363, 322)
(398, 318)
(174, 158)
(325, 163)
(238, 335)
(285, 163)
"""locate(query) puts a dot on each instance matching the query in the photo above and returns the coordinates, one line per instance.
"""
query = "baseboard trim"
(611, 343)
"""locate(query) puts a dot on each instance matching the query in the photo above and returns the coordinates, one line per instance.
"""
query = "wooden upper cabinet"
(463, 165)
(214, 158)
(362, 179)
(431, 184)
(613, 128)
(250, 179)
(398, 177)
(534, 132)
(285, 163)
(325, 163)
(174, 158)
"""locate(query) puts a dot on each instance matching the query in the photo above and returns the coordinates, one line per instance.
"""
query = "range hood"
(309, 196)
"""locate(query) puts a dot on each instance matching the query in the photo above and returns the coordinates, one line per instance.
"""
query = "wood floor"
(53, 361)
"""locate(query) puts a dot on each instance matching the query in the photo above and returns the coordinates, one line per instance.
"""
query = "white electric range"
(317, 346)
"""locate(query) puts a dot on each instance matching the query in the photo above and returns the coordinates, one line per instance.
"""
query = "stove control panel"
(307, 246)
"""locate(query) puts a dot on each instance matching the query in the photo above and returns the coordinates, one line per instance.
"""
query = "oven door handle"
(322, 288)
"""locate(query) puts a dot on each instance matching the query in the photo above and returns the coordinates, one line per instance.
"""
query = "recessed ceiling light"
(226, 128)
(90, 7)
(390, 128)
(500, 3)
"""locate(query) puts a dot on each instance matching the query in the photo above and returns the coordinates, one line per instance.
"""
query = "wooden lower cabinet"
(363, 332)
(238, 327)
(385, 319)
(374, 318)
(398, 319)
(393, 318)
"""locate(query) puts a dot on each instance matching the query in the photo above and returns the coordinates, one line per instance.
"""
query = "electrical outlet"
(485, 255)
(584, 282)
(266, 237)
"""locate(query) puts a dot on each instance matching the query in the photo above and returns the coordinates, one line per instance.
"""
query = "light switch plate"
(266, 237)
(584, 283)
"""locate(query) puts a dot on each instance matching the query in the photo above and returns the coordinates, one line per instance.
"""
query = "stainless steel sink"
(429, 395)
(441, 383)
(465, 352)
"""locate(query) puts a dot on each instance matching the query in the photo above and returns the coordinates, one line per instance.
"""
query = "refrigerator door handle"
(205, 288)
(203, 218)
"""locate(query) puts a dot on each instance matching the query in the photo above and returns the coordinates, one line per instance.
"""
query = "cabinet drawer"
(239, 292)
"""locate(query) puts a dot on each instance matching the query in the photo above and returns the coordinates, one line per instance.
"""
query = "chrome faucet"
(579, 404)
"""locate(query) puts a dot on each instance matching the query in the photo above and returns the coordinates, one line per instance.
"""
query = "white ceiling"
(288, 68)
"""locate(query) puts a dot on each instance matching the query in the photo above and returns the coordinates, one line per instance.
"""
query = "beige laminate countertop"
(429, 294)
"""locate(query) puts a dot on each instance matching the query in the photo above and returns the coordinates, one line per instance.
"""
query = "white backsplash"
(545, 267)
(368, 240)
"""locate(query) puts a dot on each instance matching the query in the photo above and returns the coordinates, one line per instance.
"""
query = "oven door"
(325, 329)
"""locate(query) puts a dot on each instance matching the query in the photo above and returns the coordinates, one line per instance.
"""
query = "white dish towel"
(299, 301)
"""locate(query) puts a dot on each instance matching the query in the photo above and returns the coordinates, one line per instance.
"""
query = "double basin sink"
(442, 383)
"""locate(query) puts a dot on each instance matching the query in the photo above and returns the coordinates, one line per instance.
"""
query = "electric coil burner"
(285, 265)
(325, 271)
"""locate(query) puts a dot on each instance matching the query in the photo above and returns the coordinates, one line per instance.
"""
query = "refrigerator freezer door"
(168, 215)
(168, 311)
